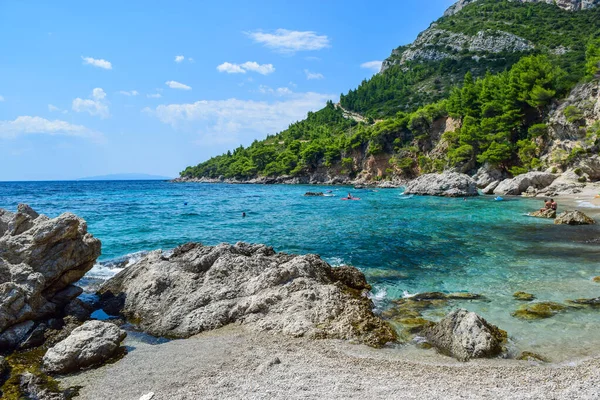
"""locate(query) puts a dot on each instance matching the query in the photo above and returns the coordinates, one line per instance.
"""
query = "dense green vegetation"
(558, 33)
(501, 104)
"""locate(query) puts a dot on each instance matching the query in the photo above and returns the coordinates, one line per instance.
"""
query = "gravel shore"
(234, 363)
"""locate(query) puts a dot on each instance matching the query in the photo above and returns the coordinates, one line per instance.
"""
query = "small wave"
(335, 261)
(586, 204)
(378, 296)
(107, 269)
(403, 197)
(406, 295)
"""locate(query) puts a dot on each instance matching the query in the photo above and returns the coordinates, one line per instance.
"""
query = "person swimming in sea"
(243, 215)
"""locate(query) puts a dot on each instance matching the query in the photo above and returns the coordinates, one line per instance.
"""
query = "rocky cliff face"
(436, 44)
(570, 5)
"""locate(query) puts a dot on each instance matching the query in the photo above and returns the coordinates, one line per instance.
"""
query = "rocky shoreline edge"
(487, 180)
(47, 332)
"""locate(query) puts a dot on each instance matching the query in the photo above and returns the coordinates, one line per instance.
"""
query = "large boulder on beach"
(520, 183)
(91, 344)
(465, 335)
(40, 259)
(198, 288)
(573, 218)
(448, 184)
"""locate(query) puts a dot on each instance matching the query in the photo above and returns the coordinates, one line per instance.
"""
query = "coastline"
(317, 179)
(238, 363)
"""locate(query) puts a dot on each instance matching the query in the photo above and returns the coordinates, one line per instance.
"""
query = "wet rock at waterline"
(91, 344)
(40, 258)
(540, 310)
(523, 296)
(465, 335)
(546, 213)
(574, 218)
(199, 288)
(448, 184)
(530, 356)
(595, 302)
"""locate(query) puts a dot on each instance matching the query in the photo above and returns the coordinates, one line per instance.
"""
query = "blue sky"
(93, 88)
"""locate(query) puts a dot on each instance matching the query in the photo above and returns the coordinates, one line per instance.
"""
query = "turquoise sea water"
(403, 245)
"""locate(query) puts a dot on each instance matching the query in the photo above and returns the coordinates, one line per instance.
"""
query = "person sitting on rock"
(547, 205)
(553, 205)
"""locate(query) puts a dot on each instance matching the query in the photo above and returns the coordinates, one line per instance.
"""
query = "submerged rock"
(199, 288)
(520, 183)
(40, 258)
(530, 356)
(91, 344)
(596, 279)
(595, 302)
(465, 335)
(545, 213)
(523, 296)
(540, 310)
(448, 184)
(314, 194)
(574, 218)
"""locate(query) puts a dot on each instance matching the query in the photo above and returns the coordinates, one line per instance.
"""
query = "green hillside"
(501, 99)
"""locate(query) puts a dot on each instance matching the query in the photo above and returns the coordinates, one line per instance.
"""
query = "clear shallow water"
(404, 245)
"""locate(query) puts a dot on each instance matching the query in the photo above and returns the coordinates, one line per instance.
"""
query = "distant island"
(125, 177)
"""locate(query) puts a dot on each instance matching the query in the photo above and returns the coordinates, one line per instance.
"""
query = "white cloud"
(53, 108)
(372, 65)
(96, 106)
(96, 62)
(287, 41)
(154, 96)
(263, 69)
(238, 121)
(230, 68)
(177, 85)
(98, 94)
(27, 125)
(179, 59)
(313, 75)
(282, 91)
(130, 93)
(1, 98)
(190, 59)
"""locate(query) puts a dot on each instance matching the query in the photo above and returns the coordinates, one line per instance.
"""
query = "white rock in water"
(464, 335)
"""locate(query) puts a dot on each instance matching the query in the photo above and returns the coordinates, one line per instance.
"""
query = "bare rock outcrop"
(465, 335)
(448, 184)
(520, 183)
(570, 5)
(199, 288)
(91, 344)
(40, 259)
(573, 218)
